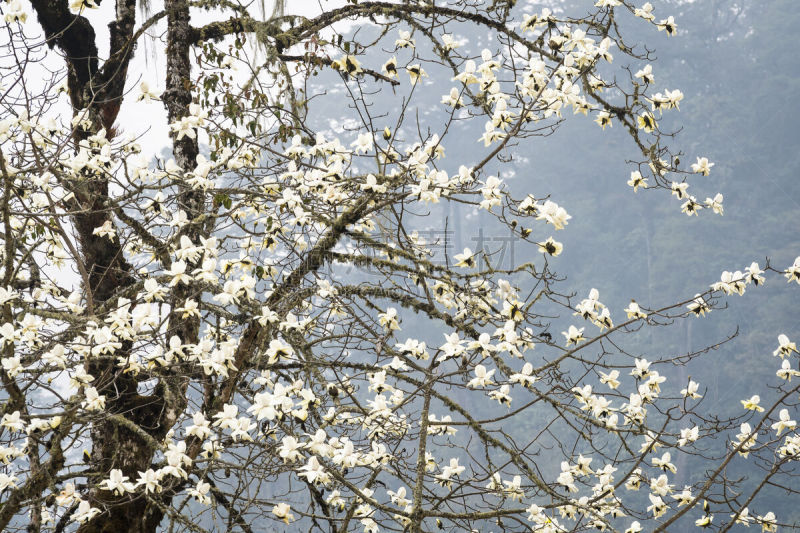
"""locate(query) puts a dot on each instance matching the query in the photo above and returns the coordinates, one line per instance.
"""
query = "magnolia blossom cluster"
(264, 279)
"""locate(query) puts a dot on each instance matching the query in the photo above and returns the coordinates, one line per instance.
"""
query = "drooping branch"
(285, 38)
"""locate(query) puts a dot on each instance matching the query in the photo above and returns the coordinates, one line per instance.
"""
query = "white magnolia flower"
(200, 492)
(702, 166)
(85, 512)
(573, 335)
(784, 422)
(785, 346)
(150, 480)
(146, 93)
(483, 377)
(117, 483)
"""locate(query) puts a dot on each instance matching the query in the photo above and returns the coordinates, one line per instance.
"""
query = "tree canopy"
(306, 314)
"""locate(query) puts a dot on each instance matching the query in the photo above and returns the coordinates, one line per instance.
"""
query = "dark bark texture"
(127, 440)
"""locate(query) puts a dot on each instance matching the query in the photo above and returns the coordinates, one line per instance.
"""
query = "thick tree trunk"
(177, 98)
(118, 446)
(127, 439)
